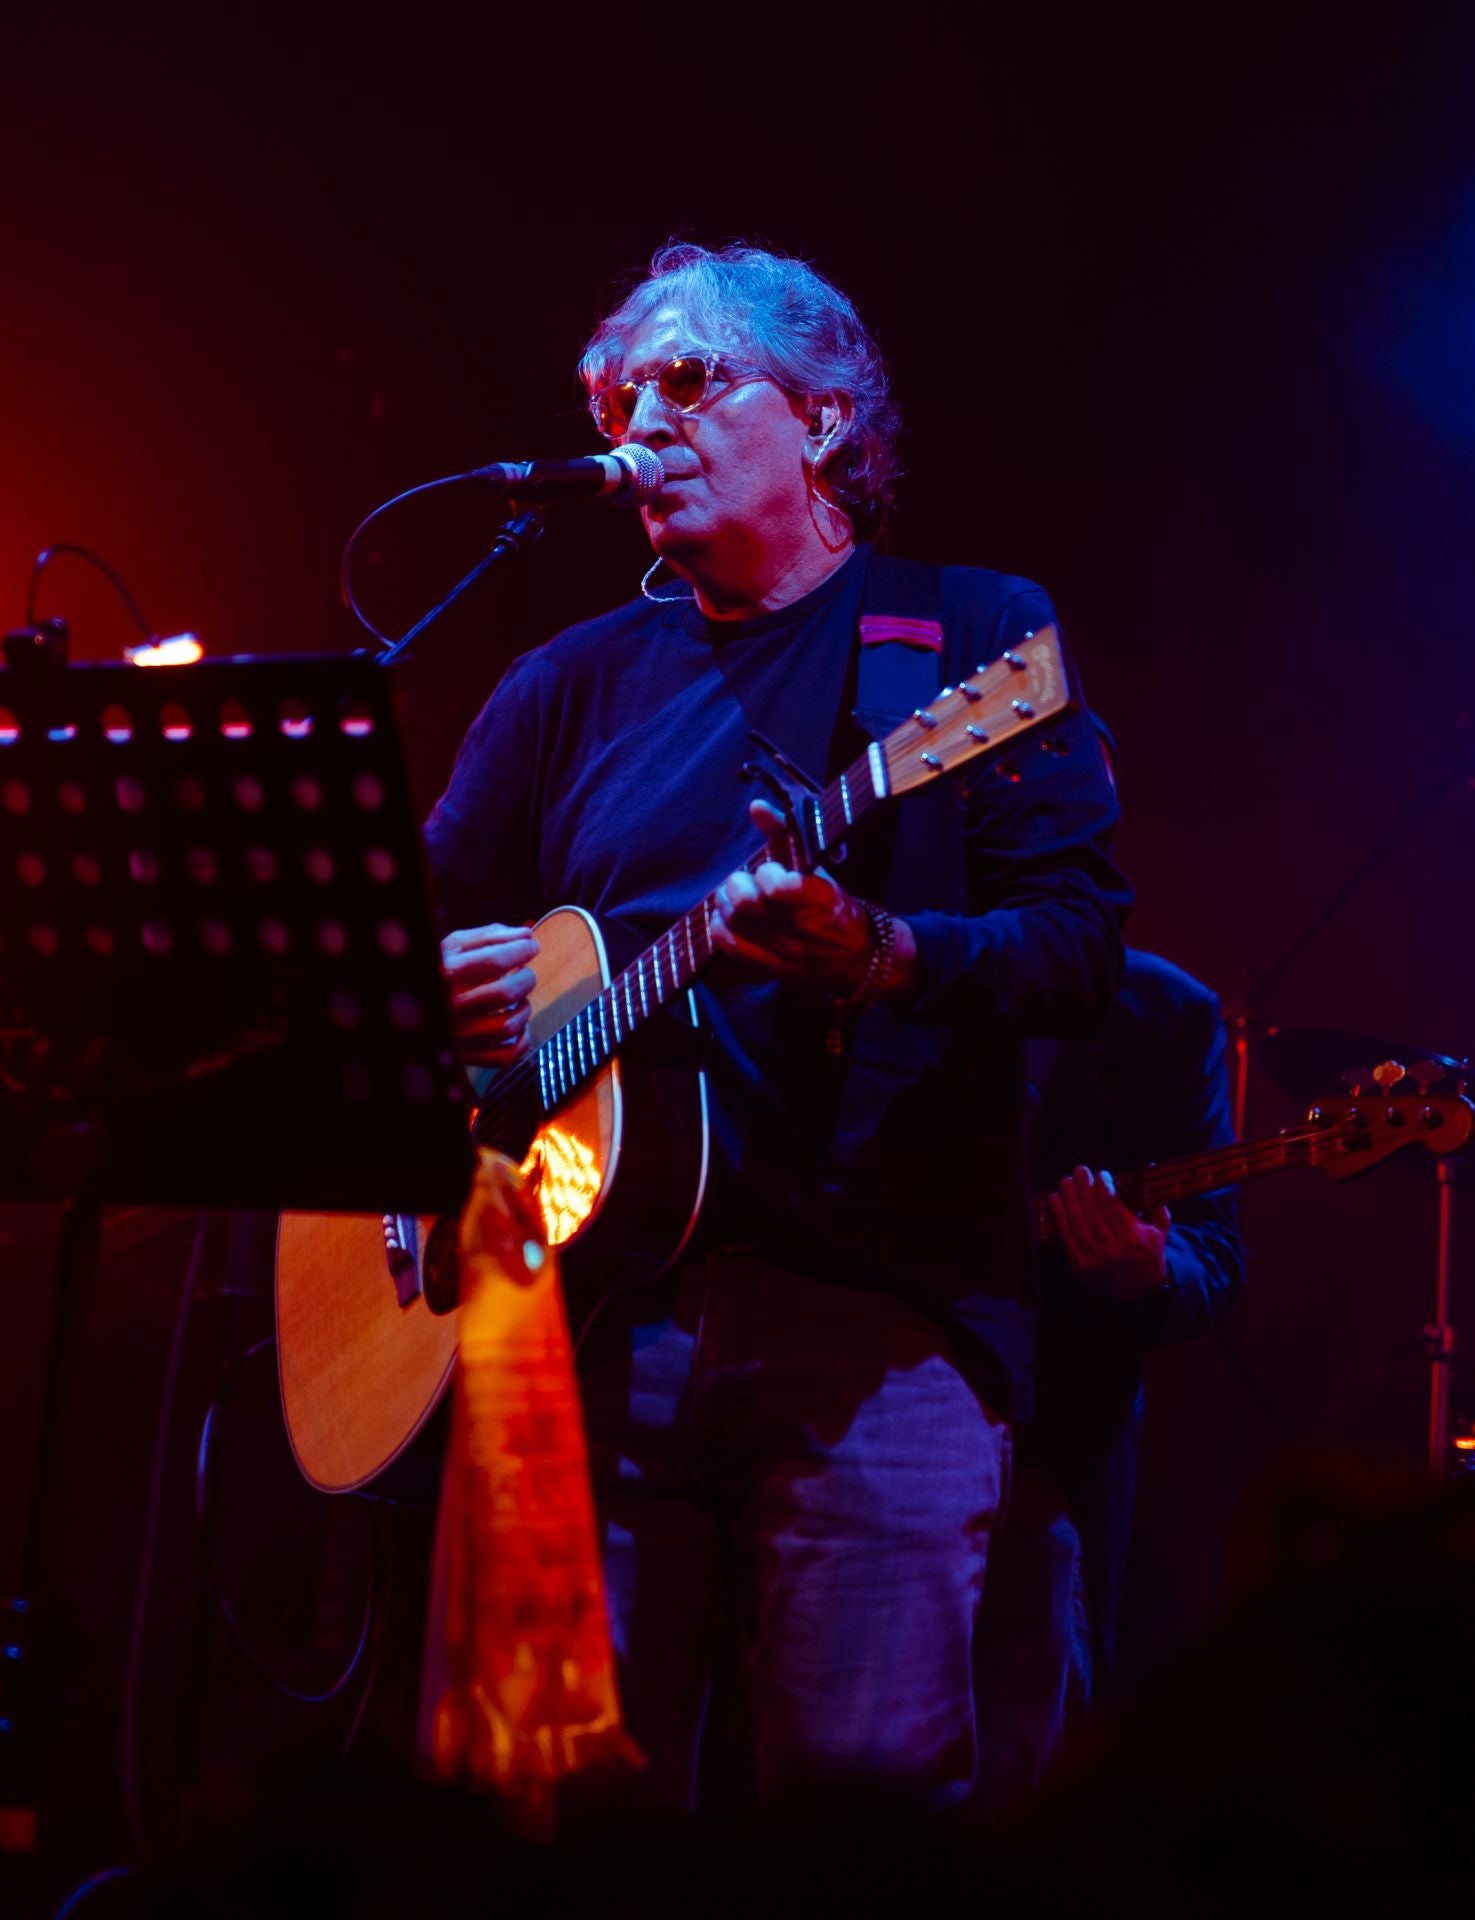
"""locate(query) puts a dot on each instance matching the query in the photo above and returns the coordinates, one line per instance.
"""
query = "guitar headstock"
(1022, 689)
(1354, 1131)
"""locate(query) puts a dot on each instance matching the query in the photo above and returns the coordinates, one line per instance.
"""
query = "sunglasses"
(683, 384)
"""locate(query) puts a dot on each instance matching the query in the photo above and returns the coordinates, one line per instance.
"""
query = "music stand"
(221, 984)
(214, 919)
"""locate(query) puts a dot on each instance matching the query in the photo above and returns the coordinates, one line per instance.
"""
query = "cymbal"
(1309, 1062)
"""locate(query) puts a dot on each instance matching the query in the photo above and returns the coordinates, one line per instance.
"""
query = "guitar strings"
(517, 1089)
(1178, 1179)
(1255, 1157)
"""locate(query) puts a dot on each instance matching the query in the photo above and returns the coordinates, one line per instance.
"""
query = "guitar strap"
(913, 856)
(901, 641)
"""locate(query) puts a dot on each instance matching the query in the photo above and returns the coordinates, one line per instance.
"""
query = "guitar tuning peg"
(1357, 1080)
(1424, 1073)
(1388, 1074)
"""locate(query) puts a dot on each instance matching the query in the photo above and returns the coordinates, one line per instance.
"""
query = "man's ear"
(827, 415)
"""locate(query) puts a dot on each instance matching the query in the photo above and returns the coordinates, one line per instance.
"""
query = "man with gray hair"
(801, 1433)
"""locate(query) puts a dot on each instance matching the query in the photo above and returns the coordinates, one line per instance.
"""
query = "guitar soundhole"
(568, 1175)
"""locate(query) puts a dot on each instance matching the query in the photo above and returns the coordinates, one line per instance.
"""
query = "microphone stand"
(511, 538)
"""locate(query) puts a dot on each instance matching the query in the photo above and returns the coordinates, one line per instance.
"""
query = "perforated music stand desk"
(214, 922)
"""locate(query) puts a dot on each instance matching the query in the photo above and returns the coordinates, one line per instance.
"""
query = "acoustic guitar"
(607, 1110)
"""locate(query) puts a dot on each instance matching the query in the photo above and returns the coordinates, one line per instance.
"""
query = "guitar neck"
(1165, 1182)
(670, 964)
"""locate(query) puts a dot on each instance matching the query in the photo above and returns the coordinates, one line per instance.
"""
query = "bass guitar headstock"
(1355, 1130)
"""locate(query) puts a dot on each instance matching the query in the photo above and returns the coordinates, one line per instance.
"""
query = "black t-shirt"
(607, 771)
(644, 808)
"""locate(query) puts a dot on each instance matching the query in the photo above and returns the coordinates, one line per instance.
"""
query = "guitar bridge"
(401, 1254)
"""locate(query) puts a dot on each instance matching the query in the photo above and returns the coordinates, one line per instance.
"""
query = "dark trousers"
(804, 1467)
(1034, 1655)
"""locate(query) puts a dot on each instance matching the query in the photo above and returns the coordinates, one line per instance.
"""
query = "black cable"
(386, 1620)
(85, 1889)
(345, 566)
(48, 554)
(300, 1696)
(1250, 1380)
(1256, 995)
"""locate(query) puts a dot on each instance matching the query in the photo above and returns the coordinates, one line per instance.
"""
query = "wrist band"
(845, 1008)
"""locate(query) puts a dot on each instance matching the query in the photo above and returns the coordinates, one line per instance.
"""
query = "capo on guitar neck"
(783, 797)
(781, 759)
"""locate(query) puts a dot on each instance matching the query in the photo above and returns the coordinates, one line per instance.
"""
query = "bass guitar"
(1340, 1137)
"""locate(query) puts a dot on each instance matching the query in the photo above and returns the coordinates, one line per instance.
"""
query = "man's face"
(735, 478)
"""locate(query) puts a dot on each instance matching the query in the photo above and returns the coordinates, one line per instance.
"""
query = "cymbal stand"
(1246, 1015)
(1439, 1333)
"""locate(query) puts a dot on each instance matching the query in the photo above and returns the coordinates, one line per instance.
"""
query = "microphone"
(628, 477)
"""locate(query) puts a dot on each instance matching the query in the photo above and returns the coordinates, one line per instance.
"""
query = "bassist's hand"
(1110, 1249)
(489, 978)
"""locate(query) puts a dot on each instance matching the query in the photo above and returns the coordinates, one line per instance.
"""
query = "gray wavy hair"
(798, 328)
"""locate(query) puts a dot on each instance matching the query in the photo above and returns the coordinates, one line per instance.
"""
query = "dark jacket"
(1151, 1085)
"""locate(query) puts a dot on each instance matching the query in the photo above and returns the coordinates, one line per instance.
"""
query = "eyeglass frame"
(712, 364)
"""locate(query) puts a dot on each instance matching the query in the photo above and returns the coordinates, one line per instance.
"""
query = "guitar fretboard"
(1167, 1181)
(983, 713)
(591, 1038)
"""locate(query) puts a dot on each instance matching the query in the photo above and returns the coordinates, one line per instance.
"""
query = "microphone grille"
(647, 475)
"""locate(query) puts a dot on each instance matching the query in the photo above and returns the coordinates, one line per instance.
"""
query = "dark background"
(1180, 305)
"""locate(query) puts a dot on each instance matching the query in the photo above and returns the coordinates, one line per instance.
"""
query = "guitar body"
(621, 1172)
(360, 1373)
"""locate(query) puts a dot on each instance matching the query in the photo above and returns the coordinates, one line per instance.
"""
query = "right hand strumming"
(489, 977)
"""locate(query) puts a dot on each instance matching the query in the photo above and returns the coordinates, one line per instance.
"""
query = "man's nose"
(650, 423)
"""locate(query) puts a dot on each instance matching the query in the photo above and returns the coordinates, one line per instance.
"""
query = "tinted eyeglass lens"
(617, 407)
(682, 383)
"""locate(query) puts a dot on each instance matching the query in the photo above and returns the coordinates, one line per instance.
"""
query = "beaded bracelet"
(845, 1008)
